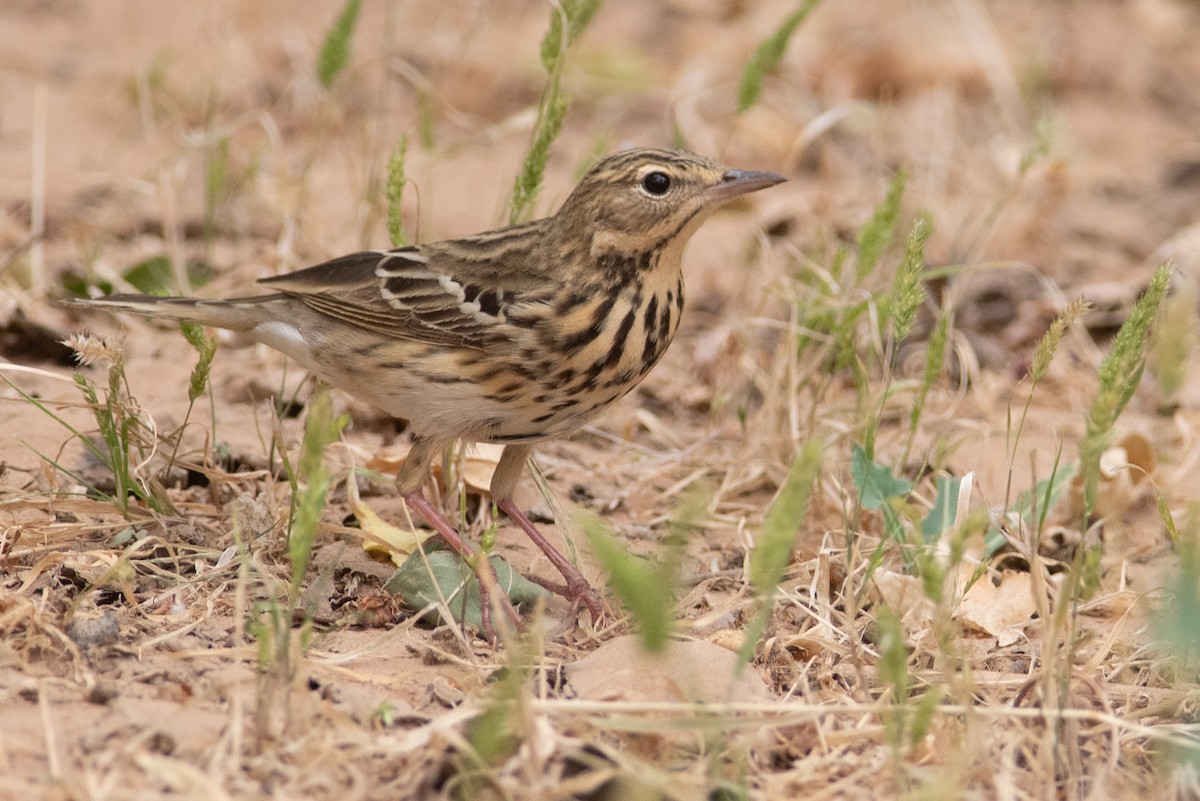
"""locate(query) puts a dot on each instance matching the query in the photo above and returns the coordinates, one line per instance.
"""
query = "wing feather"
(455, 293)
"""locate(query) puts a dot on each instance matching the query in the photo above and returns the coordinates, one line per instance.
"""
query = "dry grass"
(944, 642)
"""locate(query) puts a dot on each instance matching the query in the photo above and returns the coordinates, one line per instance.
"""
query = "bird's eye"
(656, 183)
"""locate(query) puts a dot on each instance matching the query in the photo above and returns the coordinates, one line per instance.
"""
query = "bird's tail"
(241, 314)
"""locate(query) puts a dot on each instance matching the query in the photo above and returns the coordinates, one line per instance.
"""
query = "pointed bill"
(740, 182)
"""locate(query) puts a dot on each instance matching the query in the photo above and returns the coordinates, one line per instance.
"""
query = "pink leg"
(577, 590)
(483, 568)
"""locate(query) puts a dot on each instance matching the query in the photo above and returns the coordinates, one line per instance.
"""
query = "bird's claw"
(579, 593)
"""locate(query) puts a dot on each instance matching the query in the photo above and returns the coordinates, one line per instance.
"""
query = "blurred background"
(195, 147)
(1059, 134)
(1053, 144)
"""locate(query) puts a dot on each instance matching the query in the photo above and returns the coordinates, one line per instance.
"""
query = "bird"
(513, 336)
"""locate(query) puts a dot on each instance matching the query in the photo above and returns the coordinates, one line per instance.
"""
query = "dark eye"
(656, 183)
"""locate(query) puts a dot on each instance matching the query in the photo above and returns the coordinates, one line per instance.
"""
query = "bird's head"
(649, 201)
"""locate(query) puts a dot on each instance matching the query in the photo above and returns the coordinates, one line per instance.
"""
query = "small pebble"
(92, 632)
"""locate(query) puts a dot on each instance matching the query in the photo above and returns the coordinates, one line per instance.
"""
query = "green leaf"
(945, 509)
(151, 276)
(335, 52)
(154, 275)
(874, 481)
(77, 285)
(449, 576)
(1176, 627)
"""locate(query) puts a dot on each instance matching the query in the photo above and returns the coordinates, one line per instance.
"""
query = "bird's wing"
(448, 293)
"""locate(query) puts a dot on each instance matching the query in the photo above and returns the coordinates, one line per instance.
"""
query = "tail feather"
(241, 314)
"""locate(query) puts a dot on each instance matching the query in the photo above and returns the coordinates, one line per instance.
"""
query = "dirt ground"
(1055, 147)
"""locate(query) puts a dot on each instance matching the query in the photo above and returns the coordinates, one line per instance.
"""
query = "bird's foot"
(579, 593)
(577, 590)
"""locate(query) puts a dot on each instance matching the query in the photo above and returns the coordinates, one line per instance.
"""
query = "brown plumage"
(511, 336)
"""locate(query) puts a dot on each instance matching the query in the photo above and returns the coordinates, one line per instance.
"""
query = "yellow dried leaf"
(478, 464)
(380, 538)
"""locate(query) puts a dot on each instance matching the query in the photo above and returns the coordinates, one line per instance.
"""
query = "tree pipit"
(512, 336)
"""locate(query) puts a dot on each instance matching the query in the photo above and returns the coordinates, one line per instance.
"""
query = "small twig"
(657, 716)
(20, 368)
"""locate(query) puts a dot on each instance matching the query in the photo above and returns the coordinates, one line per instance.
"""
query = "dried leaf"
(390, 459)
(479, 465)
(1123, 469)
(1139, 453)
(905, 596)
(380, 538)
(1001, 611)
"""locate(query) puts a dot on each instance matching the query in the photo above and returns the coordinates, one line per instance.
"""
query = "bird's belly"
(550, 408)
(439, 409)
(532, 390)
(451, 403)
(528, 411)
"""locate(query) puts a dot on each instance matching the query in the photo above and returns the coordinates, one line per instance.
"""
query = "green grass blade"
(216, 184)
(575, 15)
(773, 551)
(645, 589)
(768, 54)
(395, 193)
(335, 52)
(206, 346)
(908, 292)
(1176, 625)
(1120, 373)
(784, 520)
(321, 429)
(876, 234)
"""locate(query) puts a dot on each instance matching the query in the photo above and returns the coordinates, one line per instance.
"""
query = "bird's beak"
(740, 182)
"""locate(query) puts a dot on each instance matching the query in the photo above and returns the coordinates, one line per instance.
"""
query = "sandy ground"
(126, 666)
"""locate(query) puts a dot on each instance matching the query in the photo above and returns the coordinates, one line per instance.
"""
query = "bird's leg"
(504, 480)
(409, 479)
